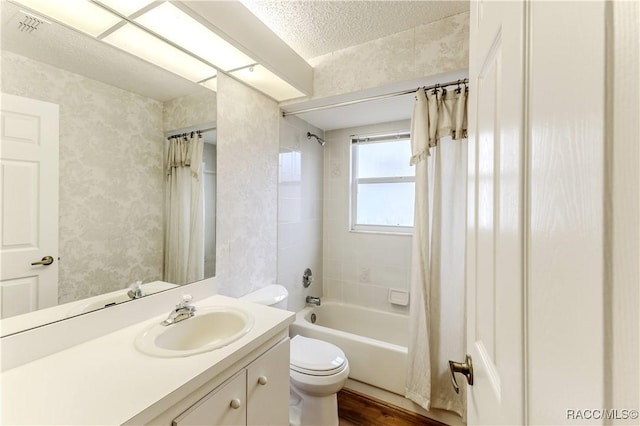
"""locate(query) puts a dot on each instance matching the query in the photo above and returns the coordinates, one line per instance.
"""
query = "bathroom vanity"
(108, 381)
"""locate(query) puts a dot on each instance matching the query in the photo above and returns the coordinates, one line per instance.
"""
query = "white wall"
(300, 186)
(191, 110)
(428, 50)
(247, 188)
(359, 268)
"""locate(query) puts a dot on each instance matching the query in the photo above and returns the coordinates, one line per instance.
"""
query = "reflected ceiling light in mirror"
(126, 7)
(144, 45)
(211, 84)
(173, 24)
(79, 14)
(267, 82)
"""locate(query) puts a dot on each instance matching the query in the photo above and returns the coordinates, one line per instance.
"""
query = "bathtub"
(375, 342)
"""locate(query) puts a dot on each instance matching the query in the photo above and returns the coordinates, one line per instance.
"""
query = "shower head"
(319, 139)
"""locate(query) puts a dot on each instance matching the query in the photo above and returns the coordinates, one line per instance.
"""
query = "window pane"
(388, 204)
(384, 159)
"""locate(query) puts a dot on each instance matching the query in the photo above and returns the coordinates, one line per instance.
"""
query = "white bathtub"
(375, 342)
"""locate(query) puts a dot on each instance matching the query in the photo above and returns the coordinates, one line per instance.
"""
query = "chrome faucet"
(183, 311)
(135, 290)
(311, 300)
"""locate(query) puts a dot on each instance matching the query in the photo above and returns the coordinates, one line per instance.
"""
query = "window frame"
(354, 181)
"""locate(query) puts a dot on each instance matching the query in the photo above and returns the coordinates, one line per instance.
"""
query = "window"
(382, 183)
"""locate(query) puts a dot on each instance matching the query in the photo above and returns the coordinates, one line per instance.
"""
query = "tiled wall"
(246, 243)
(111, 177)
(359, 268)
(300, 183)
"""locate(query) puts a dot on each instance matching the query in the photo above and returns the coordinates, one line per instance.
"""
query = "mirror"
(115, 114)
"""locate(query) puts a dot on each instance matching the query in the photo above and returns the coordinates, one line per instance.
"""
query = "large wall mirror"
(116, 116)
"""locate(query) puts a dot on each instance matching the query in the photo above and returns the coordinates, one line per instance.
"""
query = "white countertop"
(108, 381)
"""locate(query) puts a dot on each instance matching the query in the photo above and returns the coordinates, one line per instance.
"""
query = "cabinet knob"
(262, 380)
(235, 403)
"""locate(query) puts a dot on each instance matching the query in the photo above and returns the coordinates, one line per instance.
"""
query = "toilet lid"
(315, 357)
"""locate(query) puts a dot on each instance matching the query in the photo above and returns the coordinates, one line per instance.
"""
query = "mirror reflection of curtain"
(184, 232)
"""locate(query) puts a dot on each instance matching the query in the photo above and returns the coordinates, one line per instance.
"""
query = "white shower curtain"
(184, 233)
(437, 310)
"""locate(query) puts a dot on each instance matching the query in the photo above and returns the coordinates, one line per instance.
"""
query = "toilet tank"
(274, 295)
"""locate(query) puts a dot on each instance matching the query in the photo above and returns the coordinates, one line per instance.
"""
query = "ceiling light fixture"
(176, 26)
(126, 7)
(211, 84)
(142, 44)
(168, 36)
(267, 82)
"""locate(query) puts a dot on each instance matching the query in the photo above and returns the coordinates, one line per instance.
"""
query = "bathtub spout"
(313, 300)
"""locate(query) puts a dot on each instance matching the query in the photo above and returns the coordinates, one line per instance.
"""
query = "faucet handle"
(186, 301)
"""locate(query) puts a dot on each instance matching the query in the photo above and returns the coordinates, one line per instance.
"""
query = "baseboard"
(366, 410)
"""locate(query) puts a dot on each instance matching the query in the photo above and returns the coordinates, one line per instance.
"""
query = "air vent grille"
(28, 23)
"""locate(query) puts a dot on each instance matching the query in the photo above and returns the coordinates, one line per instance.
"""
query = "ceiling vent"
(28, 23)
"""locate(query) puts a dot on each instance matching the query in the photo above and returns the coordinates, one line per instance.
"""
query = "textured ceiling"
(314, 27)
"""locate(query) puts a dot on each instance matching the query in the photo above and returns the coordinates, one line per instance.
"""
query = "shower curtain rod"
(183, 134)
(464, 81)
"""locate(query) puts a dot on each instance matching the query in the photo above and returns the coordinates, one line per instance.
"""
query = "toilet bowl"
(317, 370)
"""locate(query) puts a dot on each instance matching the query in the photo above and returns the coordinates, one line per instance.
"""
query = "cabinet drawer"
(226, 405)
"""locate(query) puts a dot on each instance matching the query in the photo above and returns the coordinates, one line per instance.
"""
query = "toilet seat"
(315, 357)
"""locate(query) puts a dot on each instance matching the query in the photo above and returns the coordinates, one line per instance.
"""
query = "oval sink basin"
(210, 328)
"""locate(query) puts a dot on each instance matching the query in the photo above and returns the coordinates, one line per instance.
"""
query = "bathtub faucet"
(313, 300)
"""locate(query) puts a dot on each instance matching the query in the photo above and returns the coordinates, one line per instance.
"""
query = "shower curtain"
(437, 307)
(184, 232)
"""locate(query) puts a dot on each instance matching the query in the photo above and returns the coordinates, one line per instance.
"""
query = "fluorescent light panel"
(126, 7)
(175, 25)
(211, 84)
(142, 44)
(79, 14)
(268, 83)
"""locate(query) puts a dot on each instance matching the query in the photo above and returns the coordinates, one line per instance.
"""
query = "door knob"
(47, 260)
(262, 380)
(235, 403)
(465, 368)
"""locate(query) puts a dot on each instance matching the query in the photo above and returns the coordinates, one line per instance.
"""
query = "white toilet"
(317, 369)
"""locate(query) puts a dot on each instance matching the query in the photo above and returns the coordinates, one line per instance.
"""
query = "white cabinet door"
(226, 405)
(495, 215)
(28, 204)
(268, 387)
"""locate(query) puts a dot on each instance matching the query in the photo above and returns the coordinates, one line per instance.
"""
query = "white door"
(495, 314)
(29, 205)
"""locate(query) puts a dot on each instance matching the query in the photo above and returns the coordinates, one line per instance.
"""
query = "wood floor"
(358, 409)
